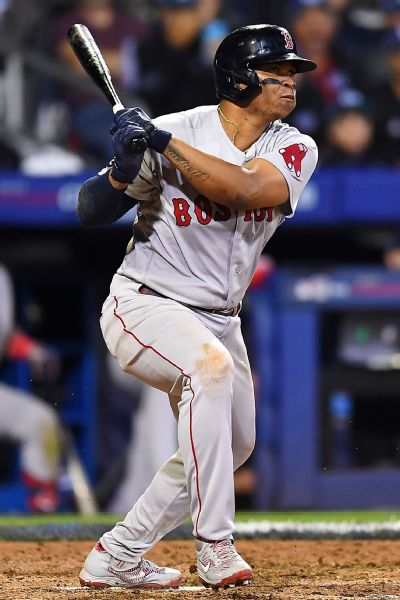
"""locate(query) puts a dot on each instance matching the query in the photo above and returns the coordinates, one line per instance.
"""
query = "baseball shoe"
(102, 570)
(219, 565)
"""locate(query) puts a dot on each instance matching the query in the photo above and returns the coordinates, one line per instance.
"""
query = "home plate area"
(291, 569)
(182, 588)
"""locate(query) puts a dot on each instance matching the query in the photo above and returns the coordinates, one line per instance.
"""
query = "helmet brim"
(302, 64)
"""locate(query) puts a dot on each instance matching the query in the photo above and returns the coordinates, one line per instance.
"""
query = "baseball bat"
(88, 53)
(82, 490)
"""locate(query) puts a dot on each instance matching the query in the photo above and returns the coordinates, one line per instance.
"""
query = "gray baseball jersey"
(201, 252)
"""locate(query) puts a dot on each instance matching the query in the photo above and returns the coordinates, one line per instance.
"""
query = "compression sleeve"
(100, 204)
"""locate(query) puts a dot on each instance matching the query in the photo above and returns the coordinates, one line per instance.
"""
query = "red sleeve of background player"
(264, 270)
(19, 346)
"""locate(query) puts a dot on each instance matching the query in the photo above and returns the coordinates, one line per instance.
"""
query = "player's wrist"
(160, 140)
(118, 179)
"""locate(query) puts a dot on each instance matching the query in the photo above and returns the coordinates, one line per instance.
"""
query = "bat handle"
(118, 106)
(137, 146)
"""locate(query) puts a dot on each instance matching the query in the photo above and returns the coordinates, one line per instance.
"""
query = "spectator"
(391, 10)
(391, 252)
(348, 133)
(174, 60)
(315, 26)
(386, 99)
(25, 418)
(357, 45)
(243, 12)
(116, 32)
(339, 6)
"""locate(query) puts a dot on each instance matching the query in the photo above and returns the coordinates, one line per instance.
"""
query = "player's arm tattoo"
(173, 153)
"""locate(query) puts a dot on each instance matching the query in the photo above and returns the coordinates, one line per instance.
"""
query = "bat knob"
(139, 146)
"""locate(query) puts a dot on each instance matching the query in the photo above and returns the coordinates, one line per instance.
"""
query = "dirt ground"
(290, 570)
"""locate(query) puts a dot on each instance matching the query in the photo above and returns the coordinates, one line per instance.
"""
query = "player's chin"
(287, 105)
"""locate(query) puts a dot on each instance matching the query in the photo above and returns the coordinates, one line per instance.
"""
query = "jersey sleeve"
(296, 157)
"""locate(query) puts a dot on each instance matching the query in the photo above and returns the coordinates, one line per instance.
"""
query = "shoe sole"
(240, 578)
(103, 584)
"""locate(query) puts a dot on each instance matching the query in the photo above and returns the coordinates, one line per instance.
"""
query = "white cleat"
(219, 565)
(102, 570)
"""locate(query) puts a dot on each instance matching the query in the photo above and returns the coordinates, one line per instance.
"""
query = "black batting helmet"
(245, 48)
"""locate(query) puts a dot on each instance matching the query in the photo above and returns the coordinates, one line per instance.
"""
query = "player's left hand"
(126, 164)
(157, 139)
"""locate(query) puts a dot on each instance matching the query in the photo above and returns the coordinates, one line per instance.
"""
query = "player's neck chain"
(230, 123)
(221, 113)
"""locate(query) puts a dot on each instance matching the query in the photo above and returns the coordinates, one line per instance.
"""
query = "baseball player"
(25, 418)
(213, 186)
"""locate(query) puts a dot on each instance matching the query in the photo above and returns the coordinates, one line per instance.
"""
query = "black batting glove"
(157, 139)
(126, 163)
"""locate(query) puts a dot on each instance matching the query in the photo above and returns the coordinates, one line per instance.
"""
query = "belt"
(226, 312)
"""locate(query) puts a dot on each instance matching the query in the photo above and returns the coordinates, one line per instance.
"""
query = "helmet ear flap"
(229, 82)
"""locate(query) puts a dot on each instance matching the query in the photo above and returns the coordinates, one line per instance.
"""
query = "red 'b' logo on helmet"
(288, 40)
(293, 155)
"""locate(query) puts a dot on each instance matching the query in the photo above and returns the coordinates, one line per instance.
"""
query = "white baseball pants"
(200, 360)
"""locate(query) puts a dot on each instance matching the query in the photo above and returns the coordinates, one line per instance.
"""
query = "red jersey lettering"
(203, 210)
(259, 214)
(181, 212)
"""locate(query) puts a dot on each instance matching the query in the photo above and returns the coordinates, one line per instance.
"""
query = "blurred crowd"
(160, 55)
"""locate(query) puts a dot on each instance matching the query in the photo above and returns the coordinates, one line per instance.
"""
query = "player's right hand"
(126, 164)
(157, 139)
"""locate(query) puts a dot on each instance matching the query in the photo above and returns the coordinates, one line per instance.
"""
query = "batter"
(212, 188)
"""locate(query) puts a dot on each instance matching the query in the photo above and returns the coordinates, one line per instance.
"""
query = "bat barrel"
(88, 53)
